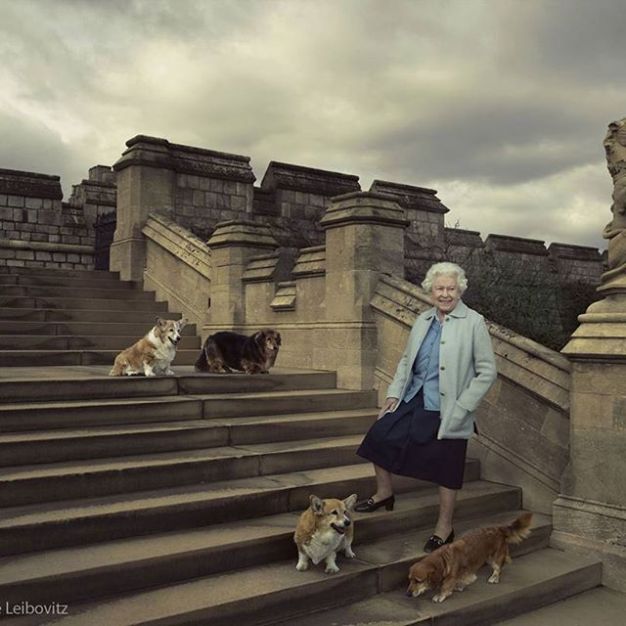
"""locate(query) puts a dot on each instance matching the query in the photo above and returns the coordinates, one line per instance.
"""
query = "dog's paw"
(331, 569)
(169, 372)
(494, 579)
(349, 554)
(440, 597)
(302, 566)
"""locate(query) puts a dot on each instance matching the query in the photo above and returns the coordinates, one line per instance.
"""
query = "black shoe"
(434, 542)
(369, 505)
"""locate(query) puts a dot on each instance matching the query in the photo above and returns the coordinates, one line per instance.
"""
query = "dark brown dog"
(454, 566)
(226, 351)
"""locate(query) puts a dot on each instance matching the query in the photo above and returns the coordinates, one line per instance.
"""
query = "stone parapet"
(411, 197)
(96, 195)
(156, 152)
(308, 180)
(465, 238)
(30, 185)
(518, 245)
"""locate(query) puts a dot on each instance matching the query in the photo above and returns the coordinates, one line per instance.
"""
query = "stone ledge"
(308, 179)
(504, 243)
(574, 253)
(30, 184)
(160, 153)
(261, 268)
(310, 263)
(285, 297)
(410, 197)
(45, 246)
(461, 237)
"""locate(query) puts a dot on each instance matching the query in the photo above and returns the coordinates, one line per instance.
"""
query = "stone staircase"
(73, 317)
(173, 501)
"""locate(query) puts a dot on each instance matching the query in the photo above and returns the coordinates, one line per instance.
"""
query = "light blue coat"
(467, 367)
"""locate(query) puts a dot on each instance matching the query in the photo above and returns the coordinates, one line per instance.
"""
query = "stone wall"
(38, 229)
(95, 195)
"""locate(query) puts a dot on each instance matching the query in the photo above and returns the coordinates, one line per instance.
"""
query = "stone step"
(69, 523)
(82, 342)
(93, 382)
(89, 329)
(52, 446)
(530, 581)
(124, 565)
(273, 593)
(21, 416)
(54, 358)
(43, 280)
(102, 477)
(71, 291)
(600, 606)
(97, 304)
(59, 274)
(30, 314)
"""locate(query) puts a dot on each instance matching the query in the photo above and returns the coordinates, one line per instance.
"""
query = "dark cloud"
(503, 99)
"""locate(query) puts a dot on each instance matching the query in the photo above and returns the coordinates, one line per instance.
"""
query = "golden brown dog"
(452, 567)
(152, 354)
(226, 351)
(324, 529)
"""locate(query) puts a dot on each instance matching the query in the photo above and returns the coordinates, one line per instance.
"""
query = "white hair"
(445, 269)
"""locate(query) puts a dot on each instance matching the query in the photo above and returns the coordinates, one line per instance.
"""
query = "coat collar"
(460, 310)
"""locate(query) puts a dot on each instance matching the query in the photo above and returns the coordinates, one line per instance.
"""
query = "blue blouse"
(426, 369)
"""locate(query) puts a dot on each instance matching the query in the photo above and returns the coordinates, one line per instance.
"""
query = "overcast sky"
(500, 105)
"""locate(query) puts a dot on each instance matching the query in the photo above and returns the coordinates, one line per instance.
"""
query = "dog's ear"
(350, 501)
(259, 338)
(160, 321)
(436, 571)
(182, 323)
(317, 505)
(278, 339)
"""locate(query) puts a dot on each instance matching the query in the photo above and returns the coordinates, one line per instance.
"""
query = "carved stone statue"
(615, 230)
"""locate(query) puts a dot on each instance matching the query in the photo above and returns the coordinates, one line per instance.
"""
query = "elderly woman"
(428, 416)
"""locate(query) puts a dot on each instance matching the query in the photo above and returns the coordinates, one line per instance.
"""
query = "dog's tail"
(202, 365)
(519, 529)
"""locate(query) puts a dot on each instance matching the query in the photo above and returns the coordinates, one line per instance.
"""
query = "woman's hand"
(389, 405)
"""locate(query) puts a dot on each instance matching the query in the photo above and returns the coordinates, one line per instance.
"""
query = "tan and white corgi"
(324, 529)
(153, 354)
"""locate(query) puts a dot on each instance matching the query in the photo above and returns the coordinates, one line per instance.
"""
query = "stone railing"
(523, 420)
(178, 267)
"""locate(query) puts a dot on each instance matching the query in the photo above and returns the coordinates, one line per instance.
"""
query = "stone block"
(42, 255)
(33, 203)
(6, 213)
(19, 215)
(16, 201)
(16, 263)
(73, 258)
(27, 255)
(3, 199)
(58, 257)
(7, 253)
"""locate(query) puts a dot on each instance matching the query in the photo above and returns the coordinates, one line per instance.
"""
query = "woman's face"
(445, 293)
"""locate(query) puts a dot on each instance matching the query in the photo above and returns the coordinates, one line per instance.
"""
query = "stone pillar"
(145, 183)
(231, 245)
(364, 238)
(590, 512)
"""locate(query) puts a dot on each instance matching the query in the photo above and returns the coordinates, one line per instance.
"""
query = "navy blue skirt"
(389, 444)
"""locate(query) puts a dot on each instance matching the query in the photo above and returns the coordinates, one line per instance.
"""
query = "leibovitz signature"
(28, 608)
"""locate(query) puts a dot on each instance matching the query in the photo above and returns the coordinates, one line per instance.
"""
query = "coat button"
(442, 342)
(441, 393)
(442, 367)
